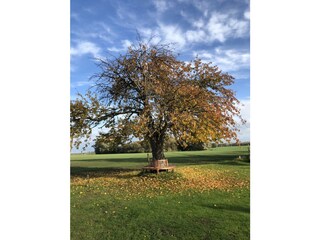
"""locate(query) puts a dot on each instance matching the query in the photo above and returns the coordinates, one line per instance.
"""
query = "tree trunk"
(157, 144)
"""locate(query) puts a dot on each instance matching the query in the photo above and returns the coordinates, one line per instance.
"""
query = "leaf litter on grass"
(127, 185)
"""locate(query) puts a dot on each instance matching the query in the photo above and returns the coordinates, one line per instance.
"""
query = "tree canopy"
(149, 94)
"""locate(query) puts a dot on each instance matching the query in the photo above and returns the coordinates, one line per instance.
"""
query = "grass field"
(207, 197)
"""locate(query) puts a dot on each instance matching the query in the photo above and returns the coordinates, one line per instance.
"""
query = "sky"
(216, 31)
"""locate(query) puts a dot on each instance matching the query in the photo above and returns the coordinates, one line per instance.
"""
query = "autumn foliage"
(149, 94)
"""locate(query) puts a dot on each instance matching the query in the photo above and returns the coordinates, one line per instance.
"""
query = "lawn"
(207, 197)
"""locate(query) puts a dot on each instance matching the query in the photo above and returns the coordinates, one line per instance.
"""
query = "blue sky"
(216, 31)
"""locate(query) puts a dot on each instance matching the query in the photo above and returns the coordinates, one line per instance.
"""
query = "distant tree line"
(213, 145)
(107, 143)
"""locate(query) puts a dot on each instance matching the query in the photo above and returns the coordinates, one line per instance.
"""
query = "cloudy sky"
(217, 31)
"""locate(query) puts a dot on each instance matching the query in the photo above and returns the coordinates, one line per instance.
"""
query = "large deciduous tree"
(150, 94)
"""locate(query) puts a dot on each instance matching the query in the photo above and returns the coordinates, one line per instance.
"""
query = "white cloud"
(202, 6)
(203, 55)
(206, 29)
(123, 12)
(233, 59)
(73, 68)
(195, 35)
(223, 26)
(98, 30)
(85, 47)
(161, 5)
(80, 84)
(172, 34)
(244, 134)
(115, 49)
(126, 43)
(124, 46)
(165, 34)
(154, 34)
(247, 15)
(240, 27)
(75, 16)
(198, 23)
(245, 109)
(146, 32)
(89, 10)
(226, 59)
(217, 27)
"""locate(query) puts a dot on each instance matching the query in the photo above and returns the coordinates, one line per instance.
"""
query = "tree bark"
(157, 147)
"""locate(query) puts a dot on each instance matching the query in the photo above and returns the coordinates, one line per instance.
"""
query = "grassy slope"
(99, 211)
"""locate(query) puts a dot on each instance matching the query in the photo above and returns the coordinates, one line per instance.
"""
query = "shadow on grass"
(85, 172)
(97, 172)
(185, 160)
(228, 207)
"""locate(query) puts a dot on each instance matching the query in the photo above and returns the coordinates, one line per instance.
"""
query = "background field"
(207, 197)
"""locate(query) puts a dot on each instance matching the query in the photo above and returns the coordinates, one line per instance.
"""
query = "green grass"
(221, 155)
(111, 200)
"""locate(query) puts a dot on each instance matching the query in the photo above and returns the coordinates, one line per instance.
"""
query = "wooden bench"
(159, 165)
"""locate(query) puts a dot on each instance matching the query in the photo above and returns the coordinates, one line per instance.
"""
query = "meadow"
(207, 196)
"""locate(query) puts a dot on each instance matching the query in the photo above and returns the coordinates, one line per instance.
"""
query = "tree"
(109, 142)
(80, 125)
(155, 95)
(116, 142)
(192, 147)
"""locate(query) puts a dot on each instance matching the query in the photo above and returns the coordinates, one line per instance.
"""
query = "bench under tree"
(159, 165)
